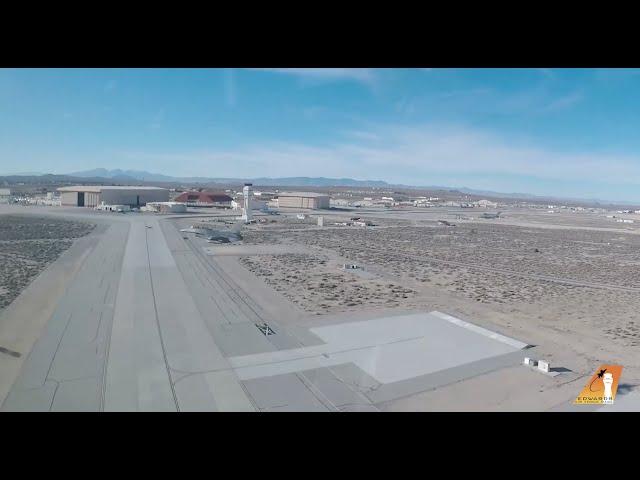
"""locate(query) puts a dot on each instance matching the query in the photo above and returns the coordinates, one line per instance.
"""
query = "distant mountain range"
(142, 176)
(117, 176)
(125, 175)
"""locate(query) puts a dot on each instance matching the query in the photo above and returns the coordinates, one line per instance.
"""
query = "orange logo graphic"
(601, 387)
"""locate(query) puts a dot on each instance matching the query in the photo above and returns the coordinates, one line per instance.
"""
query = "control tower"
(246, 211)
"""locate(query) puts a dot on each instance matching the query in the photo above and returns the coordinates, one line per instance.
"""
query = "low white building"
(113, 208)
(486, 204)
(422, 202)
(165, 207)
(50, 200)
(5, 195)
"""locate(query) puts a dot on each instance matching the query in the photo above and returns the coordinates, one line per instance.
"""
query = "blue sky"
(565, 132)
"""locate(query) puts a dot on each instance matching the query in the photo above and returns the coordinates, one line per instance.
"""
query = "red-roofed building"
(204, 199)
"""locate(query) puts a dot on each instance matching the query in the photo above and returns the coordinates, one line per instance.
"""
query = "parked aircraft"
(268, 211)
(445, 223)
(217, 236)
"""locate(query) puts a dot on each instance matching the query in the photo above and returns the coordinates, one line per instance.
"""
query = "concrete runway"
(151, 322)
(126, 335)
(65, 368)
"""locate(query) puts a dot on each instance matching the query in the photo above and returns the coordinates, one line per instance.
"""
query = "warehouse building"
(309, 200)
(92, 196)
(205, 199)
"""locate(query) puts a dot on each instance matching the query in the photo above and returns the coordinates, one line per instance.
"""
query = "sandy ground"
(510, 389)
(575, 292)
(320, 286)
(28, 244)
(570, 285)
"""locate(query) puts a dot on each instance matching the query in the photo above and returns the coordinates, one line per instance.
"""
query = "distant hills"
(125, 175)
(49, 179)
(142, 176)
(101, 176)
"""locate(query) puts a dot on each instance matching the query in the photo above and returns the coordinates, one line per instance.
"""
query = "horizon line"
(439, 187)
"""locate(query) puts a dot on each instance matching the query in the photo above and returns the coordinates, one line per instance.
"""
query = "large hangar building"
(205, 199)
(91, 196)
(310, 200)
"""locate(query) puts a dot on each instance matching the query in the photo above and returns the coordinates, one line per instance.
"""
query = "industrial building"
(114, 208)
(204, 199)
(486, 204)
(92, 196)
(310, 200)
(165, 207)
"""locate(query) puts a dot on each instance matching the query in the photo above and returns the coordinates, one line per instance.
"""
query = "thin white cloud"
(363, 75)
(489, 101)
(363, 135)
(563, 102)
(410, 155)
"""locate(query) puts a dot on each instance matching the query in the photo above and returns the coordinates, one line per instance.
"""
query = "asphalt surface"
(149, 321)
(65, 368)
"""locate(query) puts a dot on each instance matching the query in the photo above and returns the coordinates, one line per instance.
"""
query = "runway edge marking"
(480, 330)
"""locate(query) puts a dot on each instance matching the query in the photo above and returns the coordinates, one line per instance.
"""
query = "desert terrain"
(566, 286)
(571, 285)
(28, 244)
